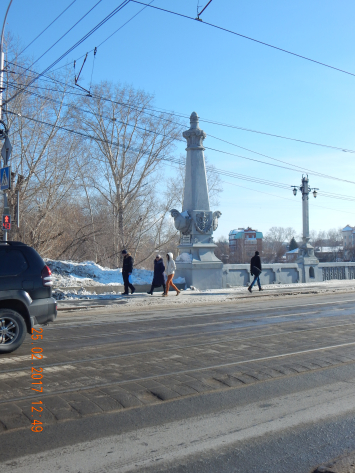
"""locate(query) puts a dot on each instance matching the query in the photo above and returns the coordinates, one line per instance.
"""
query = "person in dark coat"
(127, 270)
(255, 270)
(158, 279)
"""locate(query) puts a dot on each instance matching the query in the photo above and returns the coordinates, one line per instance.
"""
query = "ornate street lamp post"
(306, 190)
(306, 252)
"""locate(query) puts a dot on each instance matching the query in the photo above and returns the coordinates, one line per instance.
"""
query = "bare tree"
(127, 148)
(275, 243)
(42, 160)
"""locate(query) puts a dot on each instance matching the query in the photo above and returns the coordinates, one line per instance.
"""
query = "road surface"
(246, 386)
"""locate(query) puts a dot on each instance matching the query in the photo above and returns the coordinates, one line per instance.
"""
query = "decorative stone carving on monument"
(215, 218)
(197, 222)
(203, 222)
(182, 222)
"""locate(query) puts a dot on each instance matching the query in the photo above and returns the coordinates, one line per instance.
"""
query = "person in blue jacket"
(158, 279)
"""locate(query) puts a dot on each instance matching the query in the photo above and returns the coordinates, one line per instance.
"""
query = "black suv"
(25, 293)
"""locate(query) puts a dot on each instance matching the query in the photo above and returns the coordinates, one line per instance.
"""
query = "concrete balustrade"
(290, 273)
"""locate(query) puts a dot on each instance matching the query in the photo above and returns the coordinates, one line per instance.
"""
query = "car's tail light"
(47, 278)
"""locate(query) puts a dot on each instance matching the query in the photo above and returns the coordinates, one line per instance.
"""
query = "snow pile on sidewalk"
(184, 258)
(88, 273)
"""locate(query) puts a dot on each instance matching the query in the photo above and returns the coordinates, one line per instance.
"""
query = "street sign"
(6, 222)
(5, 178)
(6, 151)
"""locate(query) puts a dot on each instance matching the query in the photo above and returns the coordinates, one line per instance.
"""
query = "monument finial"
(194, 120)
(194, 135)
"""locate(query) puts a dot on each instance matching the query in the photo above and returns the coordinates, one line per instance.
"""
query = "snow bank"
(88, 273)
(83, 294)
(184, 258)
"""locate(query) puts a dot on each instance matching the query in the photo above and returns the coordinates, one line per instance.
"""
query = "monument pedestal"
(200, 267)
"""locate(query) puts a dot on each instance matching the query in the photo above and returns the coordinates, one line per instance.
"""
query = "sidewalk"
(196, 297)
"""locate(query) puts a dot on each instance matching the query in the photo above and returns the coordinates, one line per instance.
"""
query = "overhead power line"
(248, 38)
(102, 22)
(273, 195)
(181, 162)
(46, 28)
(297, 168)
(206, 120)
(108, 37)
(63, 35)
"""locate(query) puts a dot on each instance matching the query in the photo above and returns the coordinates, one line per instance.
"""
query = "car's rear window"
(12, 262)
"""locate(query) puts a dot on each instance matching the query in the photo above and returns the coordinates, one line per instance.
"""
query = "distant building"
(348, 237)
(323, 253)
(291, 256)
(348, 233)
(329, 253)
(243, 243)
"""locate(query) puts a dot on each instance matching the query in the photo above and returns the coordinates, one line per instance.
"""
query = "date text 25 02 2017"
(37, 376)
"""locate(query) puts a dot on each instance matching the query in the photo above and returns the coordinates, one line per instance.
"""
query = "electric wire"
(104, 41)
(181, 162)
(248, 38)
(216, 150)
(225, 141)
(213, 122)
(46, 28)
(102, 22)
(177, 139)
(51, 47)
(274, 195)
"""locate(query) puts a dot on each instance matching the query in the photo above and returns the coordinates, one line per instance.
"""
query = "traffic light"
(6, 222)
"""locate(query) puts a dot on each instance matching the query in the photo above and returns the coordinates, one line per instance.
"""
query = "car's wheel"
(12, 330)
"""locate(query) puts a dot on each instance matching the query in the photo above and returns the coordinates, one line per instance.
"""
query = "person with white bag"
(170, 271)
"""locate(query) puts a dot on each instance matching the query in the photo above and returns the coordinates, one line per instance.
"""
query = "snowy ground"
(213, 296)
(88, 273)
(69, 273)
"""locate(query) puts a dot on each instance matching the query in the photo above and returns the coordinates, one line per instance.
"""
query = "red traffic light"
(6, 222)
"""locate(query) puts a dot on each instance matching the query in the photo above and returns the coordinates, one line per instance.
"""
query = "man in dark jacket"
(158, 279)
(255, 270)
(127, 270)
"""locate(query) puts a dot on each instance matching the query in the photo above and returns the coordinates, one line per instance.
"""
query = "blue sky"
(190, 66)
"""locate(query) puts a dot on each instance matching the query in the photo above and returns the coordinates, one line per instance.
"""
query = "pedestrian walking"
(158, 278)
(170, 271)
(127, 270)
(255, 270)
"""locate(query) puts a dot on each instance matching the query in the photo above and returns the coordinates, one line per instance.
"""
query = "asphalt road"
(256, 386)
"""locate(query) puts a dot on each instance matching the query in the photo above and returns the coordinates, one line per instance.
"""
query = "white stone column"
(196, 191)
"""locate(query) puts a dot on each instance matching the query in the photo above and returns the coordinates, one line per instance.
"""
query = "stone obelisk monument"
(197, 262)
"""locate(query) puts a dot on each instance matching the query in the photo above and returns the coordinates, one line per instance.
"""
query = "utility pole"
(2, 59)
(5, 175)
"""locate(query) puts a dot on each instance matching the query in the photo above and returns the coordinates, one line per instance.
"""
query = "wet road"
(264, 385)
